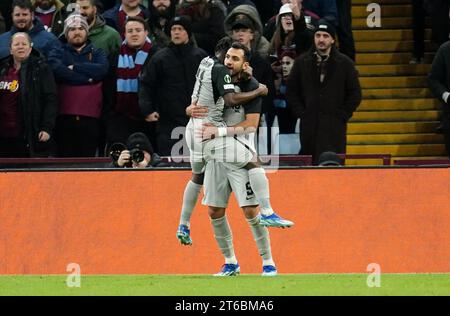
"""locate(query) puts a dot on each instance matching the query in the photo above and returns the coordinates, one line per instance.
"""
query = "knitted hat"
(141, 141)
(75, 20)
(325, 26)
(183, 20)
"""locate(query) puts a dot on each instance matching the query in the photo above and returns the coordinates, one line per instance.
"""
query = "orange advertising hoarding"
(124, 222)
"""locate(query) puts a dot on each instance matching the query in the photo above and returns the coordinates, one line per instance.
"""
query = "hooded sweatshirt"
(260, 43)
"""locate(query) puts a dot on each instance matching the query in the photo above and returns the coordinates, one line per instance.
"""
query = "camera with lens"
(136, 154)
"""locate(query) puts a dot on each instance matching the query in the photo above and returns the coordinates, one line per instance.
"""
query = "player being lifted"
(214, 88)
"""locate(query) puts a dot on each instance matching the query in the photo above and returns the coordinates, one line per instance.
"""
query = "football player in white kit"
(268, 217)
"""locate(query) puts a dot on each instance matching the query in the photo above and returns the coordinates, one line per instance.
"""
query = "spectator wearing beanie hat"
(323, 90)
(75, 21)
(325, 26)
(137, 141)
(167, 82)
(184, 21)
(79, 71)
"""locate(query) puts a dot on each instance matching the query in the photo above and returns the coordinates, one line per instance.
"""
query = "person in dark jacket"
(323, 90)
(80, 69)
(439, 13)
(116, 17)
(323, 9)
(161, 11)
(24, 21)
(52, 14)
(207, 21)
(28, 101)
(137, 142)
(167, 82)
(2, 24)
(5, 11)
(439, 83)
(344, 28)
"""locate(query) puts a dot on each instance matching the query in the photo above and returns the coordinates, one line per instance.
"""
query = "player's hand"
(197, 111)
(154, 117)
(43, 136)
(263, 89)
(209, 131)
(124, 158)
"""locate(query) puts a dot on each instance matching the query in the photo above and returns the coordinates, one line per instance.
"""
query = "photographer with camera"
(137, 153)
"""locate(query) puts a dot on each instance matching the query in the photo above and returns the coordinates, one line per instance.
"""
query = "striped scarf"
(128, 69)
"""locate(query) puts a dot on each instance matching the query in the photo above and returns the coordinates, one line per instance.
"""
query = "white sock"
(262, 239)
(224, 238)
(190, 198)
(260, 186)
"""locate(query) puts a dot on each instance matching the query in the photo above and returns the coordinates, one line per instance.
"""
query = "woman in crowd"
(28, 101)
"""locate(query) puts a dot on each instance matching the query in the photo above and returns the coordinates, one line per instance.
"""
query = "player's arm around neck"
(234, 99)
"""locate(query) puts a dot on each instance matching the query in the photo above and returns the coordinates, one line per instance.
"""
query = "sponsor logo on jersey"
(12, 86)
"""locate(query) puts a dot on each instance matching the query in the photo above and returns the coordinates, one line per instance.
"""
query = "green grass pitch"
(242, 285)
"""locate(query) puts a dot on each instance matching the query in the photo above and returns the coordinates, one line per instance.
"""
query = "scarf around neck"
(129, 66)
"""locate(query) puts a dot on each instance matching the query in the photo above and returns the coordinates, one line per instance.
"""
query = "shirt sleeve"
(222, 79)
(255, 105)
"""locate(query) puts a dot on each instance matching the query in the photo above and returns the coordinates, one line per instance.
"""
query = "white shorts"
(232, 152)
(220, 181)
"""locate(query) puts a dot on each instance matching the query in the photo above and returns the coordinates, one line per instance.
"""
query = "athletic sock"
(260, 186)
(262, 239)
(190, 198)
(224, 238)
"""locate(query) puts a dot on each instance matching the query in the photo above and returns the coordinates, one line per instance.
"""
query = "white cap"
(286, 8)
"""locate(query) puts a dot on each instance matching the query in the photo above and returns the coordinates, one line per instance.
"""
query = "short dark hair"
(138, 19)
(23, 4)
(247, 53)
(223, 45)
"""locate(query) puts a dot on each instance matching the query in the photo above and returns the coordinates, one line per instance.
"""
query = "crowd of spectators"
(128, 66)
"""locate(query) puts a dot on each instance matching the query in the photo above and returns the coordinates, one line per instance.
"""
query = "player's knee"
(198, 178)
(250, 211)
(216, 212)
